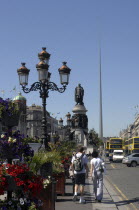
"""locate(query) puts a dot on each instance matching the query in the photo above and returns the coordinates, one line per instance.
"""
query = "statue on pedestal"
(79, 93)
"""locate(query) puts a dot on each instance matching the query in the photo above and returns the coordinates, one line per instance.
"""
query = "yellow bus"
(132, 145)
(115, 143)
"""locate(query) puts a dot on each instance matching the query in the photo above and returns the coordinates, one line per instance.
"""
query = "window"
(118, 153)
(136, 155)
(116, 141)
(136, 146)
(136, 140)
(115, 146)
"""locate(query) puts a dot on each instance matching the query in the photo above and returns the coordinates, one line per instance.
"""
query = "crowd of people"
(83, 166)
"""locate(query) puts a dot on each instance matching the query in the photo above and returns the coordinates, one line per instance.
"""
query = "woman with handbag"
(97, 169)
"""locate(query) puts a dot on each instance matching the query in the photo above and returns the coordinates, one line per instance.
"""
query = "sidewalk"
(111, 199)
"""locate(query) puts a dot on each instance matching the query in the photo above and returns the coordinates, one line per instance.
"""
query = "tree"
(94, 139)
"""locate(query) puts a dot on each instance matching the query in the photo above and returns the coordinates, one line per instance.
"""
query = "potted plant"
(42, 157)
(53, 158)
(45, 163)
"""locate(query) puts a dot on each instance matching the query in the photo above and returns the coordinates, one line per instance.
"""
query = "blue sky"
(71, 31)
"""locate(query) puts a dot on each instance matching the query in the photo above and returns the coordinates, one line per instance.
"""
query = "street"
(126, 181)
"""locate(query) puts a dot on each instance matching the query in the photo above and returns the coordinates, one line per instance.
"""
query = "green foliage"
(31, 140)
(94, 139)
(56, 156)
(58, 168)
(65, 148)
(32, 207)
(44, 157)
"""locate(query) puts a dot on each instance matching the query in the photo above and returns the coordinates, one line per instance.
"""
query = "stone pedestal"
(80, 130)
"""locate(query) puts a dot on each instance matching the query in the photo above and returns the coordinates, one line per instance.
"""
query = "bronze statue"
(79, 93)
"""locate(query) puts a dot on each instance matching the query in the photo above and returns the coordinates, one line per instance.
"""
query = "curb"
(116, 197)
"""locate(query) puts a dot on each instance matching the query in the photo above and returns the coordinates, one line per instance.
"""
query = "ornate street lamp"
(44, 85)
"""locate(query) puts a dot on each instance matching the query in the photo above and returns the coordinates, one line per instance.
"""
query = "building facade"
(34, 121)
(132, 130)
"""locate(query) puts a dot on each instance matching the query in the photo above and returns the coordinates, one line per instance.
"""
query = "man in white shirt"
(80, 175)
(97, 174)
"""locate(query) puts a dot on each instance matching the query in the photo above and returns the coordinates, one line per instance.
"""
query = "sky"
(73, 31)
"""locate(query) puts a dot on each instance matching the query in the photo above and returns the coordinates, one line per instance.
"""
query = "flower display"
(21, 204)
(26, 181)
(46, 182)
(3, 182)
(14, 147)
(66, 160)
(28, 187)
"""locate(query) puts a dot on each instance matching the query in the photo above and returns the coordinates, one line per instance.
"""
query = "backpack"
(101, 168)
(77, 163)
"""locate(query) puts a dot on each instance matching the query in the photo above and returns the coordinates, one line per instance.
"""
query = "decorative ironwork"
(43, 87)
(34, 87)
(52, 86)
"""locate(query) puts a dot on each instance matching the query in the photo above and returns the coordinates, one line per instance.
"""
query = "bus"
(132, 145)
(107, 148)
(115, 144)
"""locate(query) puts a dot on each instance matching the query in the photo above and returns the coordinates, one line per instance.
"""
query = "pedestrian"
(80, 171)
(97, 169)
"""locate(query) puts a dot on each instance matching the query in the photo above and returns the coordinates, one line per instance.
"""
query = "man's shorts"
(80, 179)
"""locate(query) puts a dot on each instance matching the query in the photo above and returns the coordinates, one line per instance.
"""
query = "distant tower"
(100, 100)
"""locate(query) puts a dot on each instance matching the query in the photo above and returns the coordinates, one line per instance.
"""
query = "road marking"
(121, 194)
(112, 166)
(117, 166)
